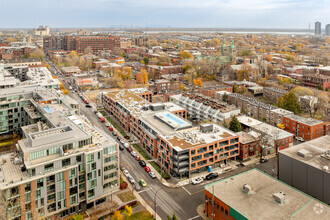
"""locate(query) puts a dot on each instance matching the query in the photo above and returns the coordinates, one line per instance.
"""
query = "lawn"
(141, 151)
(126, 196)
(143, 215)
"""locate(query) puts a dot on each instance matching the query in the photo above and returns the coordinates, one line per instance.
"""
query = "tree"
(88, 50)
(302, 91)
(173, 217)
(225, 97)
(65, 91)
(281, 126)
(128, 211)
(127, 73)
(235, 125)
(116, 215)
(244, 53)
(185, 55)
(37, 53)
(145, 61)
(76, 217)
(289, 102)
(224, 124)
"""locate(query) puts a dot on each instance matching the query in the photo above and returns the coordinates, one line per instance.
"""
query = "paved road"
(184, 200)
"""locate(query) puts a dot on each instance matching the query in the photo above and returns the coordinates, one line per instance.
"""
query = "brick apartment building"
(306, 128)
(273, 93)
(316, 80)
(80, 43)
(158, 71)
(210, 91)
(70, 70)
(249, 145)
(160, 86)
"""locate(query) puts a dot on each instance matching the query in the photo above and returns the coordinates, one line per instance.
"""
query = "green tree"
(128, 211)
(225, 97)
(146, 61)
(224, 124)
(234, 125)
(173, 217)
(289, 102)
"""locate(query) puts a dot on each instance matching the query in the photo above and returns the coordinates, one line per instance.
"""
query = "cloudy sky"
(173, 13)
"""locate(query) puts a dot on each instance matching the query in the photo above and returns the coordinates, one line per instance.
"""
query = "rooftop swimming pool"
(48, 110)
(174, 118)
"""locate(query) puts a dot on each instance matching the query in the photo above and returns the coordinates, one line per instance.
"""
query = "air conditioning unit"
(280, 197)
(247, 188)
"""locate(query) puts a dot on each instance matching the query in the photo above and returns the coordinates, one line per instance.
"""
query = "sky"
(164, 13)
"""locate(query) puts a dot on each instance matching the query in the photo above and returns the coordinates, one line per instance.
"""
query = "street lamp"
(155, 202)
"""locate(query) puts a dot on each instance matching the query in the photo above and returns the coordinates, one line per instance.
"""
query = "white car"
(197, 180)
(131, 179)
(152, 175)
(126, 145)
(122, 141)
(133, 153)
(107, 125)
(126, 173)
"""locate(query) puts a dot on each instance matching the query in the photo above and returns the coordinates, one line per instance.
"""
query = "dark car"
(114, 133)
(121, 147)
(142, 163)
(118, 138)
(88, 106)
(263, 160)
(211, 176)
(95, 112)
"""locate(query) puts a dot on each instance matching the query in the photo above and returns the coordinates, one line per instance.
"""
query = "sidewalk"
(256, 160)
(200, 211)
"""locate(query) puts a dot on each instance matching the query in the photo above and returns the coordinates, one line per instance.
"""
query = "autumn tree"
(185, 55)
(126, 73)
(289, 102)
(128, 211)
(145, 61)
(225, 97)
(77, 217)
(244, 53)
(117, 215)
(302, 91)
(37, 53)
(235, 125)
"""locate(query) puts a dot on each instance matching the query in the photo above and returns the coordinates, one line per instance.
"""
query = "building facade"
(318, 28)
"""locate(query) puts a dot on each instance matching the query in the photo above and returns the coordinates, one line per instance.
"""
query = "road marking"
(197, 216)
(197, 192)
(144, 190)
(186, 191)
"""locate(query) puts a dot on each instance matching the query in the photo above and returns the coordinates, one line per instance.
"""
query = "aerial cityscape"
(178, 110)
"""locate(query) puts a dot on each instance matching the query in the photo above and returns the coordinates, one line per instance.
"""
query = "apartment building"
(273, 93)
(80, 43)
(306, 167)
(249, 145)
(201, 107)
(70, 70)
(271, 138)
(159, 71)
(256, 195)
(30, 62)
(254, 108)
(316, 80)
(62, 166)
(160, 86)
(210, 91)
(306, 128)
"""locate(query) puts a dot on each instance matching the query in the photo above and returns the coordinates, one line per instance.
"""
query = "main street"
(184, 200)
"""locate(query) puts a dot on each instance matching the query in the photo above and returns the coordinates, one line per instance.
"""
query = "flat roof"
(245, 138)
(314, 152)
(248, 121)
(307, 121)
(260, 204)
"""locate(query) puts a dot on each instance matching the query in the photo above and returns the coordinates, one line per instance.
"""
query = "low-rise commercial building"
(307, 167)
(256, 195)
(70, 70)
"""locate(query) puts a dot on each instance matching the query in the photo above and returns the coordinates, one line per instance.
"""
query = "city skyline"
(168, 13)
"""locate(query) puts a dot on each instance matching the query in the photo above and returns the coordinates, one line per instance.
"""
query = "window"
(93, 166)
(66, 162)
(62, 185)
(49, 167)
(226, 212)
(90, 158)
(72, 173)
(60, 195)
(99, 172)
(98, 155)
(60, 177)
(222, 210)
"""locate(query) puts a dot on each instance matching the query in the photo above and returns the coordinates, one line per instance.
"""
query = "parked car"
(137, 158)
(122, 141)
(95, 112)
(143, 183)
(86, 101)
(147, 169)
(197, 180)
(126, 145)
(107, 124)
(125, 172)
(114, 133)
(137, 186)
(142, 163)
(152, 175)
(263, 160)
(130, 179)
(129, 149)
(110, 128)
(118, 138)
(122, 167)
(121, 147)
(88, 105)
(99, 115)
(102, 119)
(133, 153)
(211, 176)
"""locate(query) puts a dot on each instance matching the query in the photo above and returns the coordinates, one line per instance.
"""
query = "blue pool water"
(48, 110)
(174, 118)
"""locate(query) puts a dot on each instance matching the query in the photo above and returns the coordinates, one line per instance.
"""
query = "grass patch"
(126, 196)
(143, 215)
(141, 151)
(6, 143)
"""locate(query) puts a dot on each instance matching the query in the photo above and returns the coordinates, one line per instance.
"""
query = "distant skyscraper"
(317, 28)
(327, 29)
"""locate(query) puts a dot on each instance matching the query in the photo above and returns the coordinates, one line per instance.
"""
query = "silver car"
(131, 179)
(137, 186)
(152, 175)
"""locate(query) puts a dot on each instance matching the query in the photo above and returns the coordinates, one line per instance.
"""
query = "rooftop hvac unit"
(247, 188)
(303, 153)
(279, 197)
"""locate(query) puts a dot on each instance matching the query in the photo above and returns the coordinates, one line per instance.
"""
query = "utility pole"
(155, 202)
